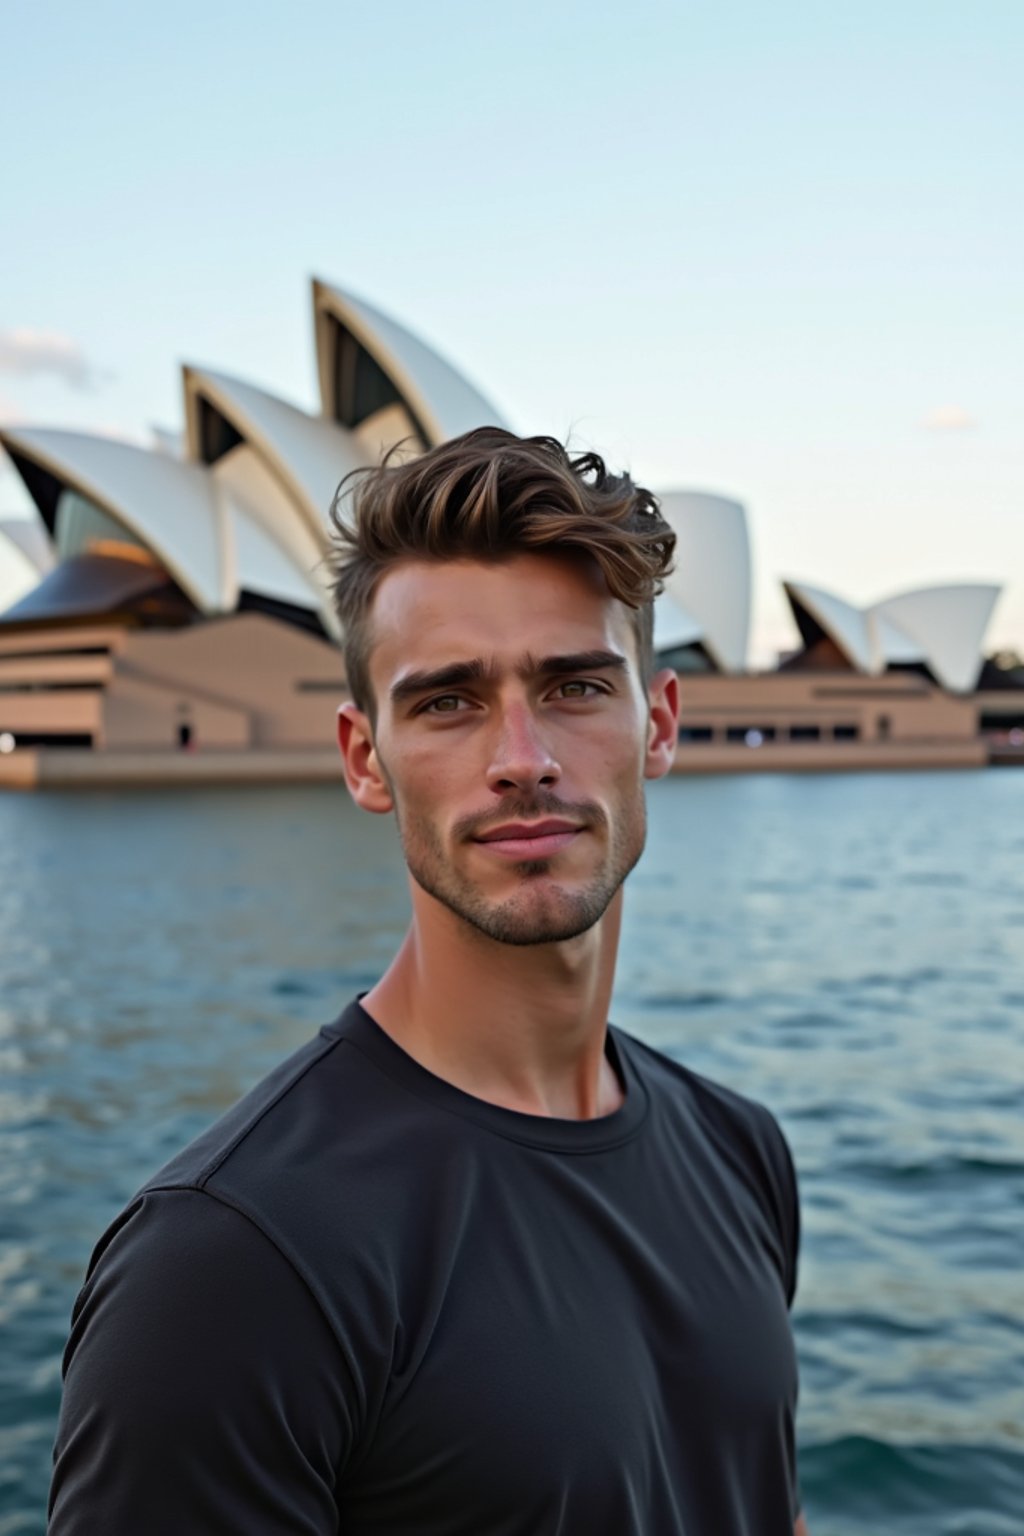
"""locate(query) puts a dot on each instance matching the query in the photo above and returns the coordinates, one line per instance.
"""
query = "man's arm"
(203, 1388)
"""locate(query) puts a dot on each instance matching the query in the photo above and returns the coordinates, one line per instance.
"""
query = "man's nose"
(522, 759)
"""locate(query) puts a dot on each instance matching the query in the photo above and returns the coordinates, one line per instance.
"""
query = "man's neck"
(522, 1026)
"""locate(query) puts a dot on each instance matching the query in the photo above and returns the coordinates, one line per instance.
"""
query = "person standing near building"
(472, 1260)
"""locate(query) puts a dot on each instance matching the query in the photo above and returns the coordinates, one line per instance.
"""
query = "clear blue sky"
(747, 247)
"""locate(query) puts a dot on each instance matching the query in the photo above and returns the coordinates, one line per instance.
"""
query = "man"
(471, 1261)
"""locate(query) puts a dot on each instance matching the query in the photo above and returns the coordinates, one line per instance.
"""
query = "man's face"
(512, 738)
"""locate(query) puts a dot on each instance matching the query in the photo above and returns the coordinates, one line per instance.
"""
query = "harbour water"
(847, 948)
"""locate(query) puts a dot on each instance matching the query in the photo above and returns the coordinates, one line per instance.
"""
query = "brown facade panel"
(794, 705)
(75, 713)
(51, 671)
(253, 663)
(140, 713)
(61, 640)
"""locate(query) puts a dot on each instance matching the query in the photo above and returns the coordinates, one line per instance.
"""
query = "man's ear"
(363, 774)
(662, 724)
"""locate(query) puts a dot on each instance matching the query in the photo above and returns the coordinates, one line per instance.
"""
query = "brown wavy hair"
(488, 495)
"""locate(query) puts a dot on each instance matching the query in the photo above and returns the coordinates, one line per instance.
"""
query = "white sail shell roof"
(846, 625)
(273, 551)
(308, 454)
(167, 504)
(711, 582)
(215, 531)
(890, 644)
(256, 518)
(942, 627)
(440, 399)
(948, 624)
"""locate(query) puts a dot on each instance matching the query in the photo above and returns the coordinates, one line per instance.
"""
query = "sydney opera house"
(174, 623)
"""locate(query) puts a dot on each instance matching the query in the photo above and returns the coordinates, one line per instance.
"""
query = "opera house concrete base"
(80, 768)
(242, 697)
(832, 757)
(825, 720)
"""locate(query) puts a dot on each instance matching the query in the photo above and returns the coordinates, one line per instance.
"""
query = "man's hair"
(489, 495)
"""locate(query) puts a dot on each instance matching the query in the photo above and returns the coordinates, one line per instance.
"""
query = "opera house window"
(750, 735)
(696, 733)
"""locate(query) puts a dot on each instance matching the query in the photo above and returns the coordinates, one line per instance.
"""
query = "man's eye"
(577, 688)
(445, 704)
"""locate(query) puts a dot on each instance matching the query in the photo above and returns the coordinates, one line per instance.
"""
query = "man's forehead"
(525, 575)
(428, 613)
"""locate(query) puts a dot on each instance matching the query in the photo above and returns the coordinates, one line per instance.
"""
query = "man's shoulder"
(740, 1132)
(292, 1186)
(325, 1124)
(729, 1117)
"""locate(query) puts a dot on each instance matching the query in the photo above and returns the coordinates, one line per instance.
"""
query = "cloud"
(949, 418)
(26, 352)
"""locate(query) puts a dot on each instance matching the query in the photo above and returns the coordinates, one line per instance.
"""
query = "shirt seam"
(219, 1158)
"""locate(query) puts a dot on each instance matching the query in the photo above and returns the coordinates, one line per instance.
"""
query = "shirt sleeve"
(203, 1388)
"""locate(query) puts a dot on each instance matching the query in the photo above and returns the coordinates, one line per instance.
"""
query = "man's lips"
(529, 839)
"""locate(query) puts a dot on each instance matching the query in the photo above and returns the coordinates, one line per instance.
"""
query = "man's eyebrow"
(579, 661)
(458, 673)
(455, 675)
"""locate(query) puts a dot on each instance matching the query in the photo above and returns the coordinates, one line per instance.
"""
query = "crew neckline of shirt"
(549, 1133)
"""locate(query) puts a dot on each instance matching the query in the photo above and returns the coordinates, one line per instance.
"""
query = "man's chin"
(536, 915)
(526, 902)
(524, 932)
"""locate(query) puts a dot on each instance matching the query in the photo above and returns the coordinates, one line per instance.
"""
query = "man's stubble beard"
(528, 917)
